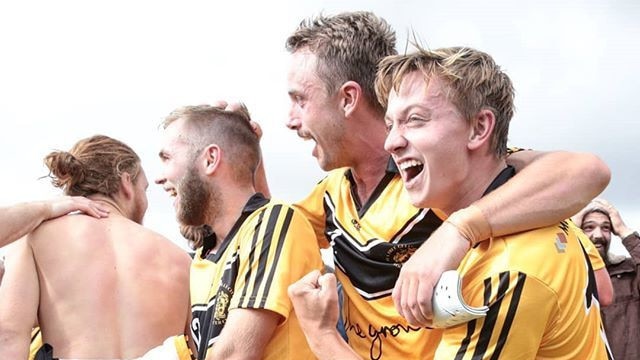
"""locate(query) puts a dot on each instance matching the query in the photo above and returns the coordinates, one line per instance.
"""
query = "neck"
(481, 174)
(369, 159)
(230, 208)
(110, 203)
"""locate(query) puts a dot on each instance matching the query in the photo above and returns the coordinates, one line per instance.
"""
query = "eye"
(416, 119)
(388, 126)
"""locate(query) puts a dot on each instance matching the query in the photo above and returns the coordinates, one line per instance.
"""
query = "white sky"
(71, 69)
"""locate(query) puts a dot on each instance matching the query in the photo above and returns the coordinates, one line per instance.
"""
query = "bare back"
(109, 288)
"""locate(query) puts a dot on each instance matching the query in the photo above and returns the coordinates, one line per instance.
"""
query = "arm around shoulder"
(548, 187)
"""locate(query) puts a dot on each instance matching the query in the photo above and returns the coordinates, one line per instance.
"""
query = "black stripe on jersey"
(471, 327)
(511, 314)
(371, 269)
(35, 334)
(276, 259)
(362, 209)
(492, 317)
(264, 253)
(254, 242)
(487, 291)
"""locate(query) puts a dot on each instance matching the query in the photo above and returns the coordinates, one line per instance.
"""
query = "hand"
(238, 106)
(66, 204)
(444, 250)
(618, 225)
(315, 300)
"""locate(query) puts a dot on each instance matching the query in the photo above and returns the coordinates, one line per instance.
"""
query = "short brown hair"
(93, 166)
(348, 47)
(229, 129)
(475, 82)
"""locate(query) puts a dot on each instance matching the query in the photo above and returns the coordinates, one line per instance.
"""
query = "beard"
(197, 202)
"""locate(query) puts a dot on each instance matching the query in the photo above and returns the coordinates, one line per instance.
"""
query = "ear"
(212, 158)
(481, 129)
(351, 94)
(126, 185)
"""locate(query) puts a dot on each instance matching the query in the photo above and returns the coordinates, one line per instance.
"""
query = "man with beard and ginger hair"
(257, 247)
(103, 287)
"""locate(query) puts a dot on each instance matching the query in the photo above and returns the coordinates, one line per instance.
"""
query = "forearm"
(13, 344)
(552, 187)
(330, 346)
(18, 220)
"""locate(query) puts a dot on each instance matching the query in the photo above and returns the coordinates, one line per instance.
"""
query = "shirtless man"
(98, 287)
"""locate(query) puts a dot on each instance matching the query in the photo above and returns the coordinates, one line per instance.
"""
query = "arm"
(20, 219)
(548, 187)
(604, 286)
(245, 335)
(19, 299)
(315, 300)
(526, 201)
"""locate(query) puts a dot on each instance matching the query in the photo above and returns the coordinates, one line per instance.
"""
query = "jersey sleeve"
(519, 311)
(312, 207)
(281, 249)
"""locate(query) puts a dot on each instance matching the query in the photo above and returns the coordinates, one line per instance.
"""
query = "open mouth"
(411, 169)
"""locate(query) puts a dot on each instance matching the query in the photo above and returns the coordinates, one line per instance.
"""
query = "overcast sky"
(71, 69)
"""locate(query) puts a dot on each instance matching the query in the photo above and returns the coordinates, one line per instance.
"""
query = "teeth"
(409, 163)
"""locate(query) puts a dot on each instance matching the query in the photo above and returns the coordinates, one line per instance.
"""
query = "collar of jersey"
(255, 202)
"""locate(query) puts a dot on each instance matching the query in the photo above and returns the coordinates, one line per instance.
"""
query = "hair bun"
(65, 170)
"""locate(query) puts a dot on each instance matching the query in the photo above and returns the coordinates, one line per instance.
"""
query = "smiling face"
(314, 113)
(428, 141)
(180, 176)
(597, 226)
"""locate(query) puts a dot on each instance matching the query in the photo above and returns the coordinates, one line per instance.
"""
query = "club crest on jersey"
(222, 307)
(561, 242)
(400, 253)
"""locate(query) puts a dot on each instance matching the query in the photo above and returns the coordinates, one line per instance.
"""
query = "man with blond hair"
(102, 287)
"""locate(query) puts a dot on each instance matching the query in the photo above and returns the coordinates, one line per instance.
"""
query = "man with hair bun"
(102, 287)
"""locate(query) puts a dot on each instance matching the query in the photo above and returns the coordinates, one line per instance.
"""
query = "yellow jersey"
(269, 247)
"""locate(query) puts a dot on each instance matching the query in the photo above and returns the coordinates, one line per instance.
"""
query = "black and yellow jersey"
(269, 247)
(370, 243)
(541, 292)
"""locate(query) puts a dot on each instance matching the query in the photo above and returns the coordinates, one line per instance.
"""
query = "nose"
(293, 123)
(160, 180)
(395, 141)
(596, 234)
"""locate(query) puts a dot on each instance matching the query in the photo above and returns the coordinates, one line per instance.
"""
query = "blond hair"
(348, 47)
(472, 79)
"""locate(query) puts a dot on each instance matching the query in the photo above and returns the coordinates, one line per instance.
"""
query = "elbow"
(591, 167)
(605, 299)
(600, 173)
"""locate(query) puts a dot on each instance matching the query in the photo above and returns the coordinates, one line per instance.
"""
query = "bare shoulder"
(166, 246)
